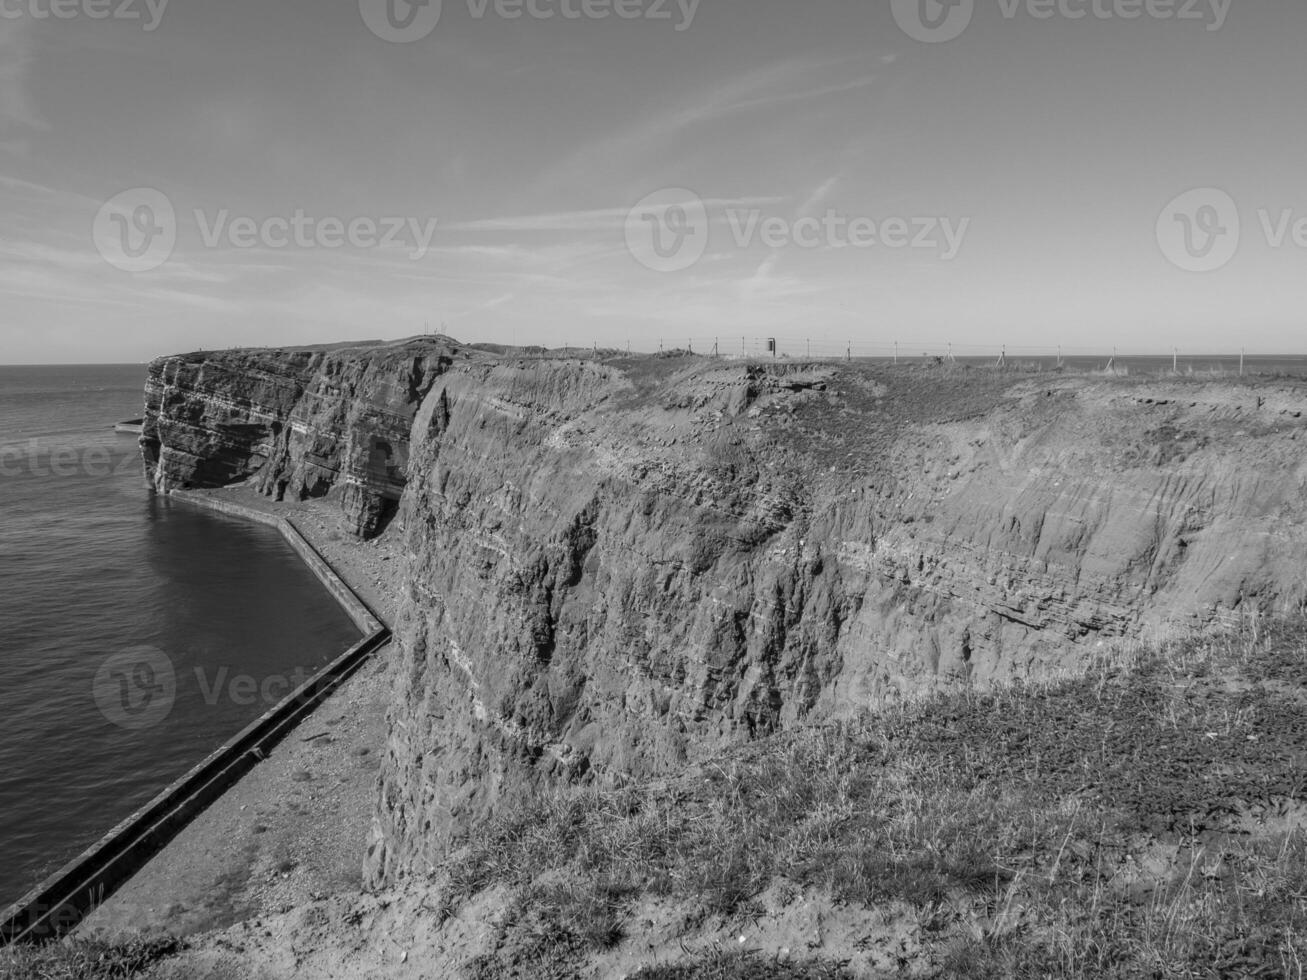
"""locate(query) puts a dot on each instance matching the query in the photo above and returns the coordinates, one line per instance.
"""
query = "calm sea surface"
(136, 635)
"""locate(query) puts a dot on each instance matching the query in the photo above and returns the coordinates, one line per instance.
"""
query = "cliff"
(619, 565)
(300, 423)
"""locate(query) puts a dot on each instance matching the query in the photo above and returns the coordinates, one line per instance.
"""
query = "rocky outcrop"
(619, 565)
(302, 423)
(616, 565)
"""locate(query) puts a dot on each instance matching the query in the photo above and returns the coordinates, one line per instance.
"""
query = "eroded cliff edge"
(614, 565)
(294, 422)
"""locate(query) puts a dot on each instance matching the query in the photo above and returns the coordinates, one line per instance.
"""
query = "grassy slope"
(1143, 820)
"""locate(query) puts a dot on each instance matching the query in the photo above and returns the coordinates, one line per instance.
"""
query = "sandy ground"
(295, 829)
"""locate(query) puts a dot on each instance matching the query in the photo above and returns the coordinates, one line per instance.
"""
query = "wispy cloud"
(27, 187)
(818, 196)
(761, 278)
(600, 219)
(779, 98)
(791, 81)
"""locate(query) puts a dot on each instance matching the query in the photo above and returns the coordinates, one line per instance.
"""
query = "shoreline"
(294, 828)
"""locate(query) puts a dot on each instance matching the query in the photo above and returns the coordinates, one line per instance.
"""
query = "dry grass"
(722, 965)
(820, 810)
(1092, 826)
(1234, 911)
(85, 959)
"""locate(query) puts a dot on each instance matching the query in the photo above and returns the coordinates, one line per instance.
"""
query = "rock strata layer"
(299, 424)
(617, 565)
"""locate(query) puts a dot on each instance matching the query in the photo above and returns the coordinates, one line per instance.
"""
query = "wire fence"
(1017, 357)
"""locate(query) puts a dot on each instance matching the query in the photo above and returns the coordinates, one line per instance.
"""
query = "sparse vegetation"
(78, 959)
(721, 965)
(1231, 911)
(1141, 820)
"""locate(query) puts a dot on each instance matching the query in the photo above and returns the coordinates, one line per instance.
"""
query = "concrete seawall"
(58, 904)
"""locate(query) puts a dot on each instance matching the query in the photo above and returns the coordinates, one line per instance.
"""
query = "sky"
(180, 175)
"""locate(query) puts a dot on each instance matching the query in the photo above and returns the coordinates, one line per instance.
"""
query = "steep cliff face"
(299, 423)
(618, 565)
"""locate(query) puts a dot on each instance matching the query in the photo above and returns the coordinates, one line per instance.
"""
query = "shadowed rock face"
(300, 423)
(617, 566)
(614, 566)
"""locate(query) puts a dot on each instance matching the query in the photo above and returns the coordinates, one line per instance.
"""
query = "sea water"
(137, 634)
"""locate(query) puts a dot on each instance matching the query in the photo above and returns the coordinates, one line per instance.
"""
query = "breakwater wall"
(57, 905)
